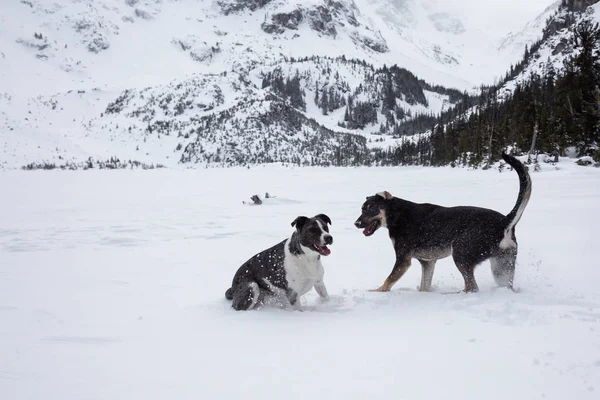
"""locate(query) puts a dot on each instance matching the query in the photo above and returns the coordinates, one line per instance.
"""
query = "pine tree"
(389, 98)
(324, 102)
(587, 38)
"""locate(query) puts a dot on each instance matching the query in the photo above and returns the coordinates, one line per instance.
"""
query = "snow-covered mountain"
(545, 102)
(199, 81)
(542, 56)
(47, 46)
(515, 42)
(557, 45)
(310, 111)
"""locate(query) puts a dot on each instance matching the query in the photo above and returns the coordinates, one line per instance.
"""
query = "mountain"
(515, 42)
(546, 103)
(228, 81)
(556, 45)
(99, 43)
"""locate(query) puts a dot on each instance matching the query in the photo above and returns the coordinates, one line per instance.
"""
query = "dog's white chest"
(302, 272)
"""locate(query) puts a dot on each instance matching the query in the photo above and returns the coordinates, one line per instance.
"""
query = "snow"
(112, 286)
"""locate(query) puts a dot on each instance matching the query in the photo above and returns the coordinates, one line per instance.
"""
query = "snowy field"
(112, 287)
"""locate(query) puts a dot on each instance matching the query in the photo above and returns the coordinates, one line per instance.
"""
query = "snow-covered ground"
(112, 283)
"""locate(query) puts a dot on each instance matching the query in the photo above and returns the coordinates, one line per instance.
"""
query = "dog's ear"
(324, 218)
(386, 195)
(299, 222)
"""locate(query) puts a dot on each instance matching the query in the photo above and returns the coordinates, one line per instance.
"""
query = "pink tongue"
(323, 250)
(367, 230)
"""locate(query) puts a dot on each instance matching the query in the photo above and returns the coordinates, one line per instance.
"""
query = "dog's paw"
(430, 289)
(512, 289)
(380, 290)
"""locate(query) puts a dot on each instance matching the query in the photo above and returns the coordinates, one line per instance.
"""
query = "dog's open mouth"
(322, 250)
(373, 226)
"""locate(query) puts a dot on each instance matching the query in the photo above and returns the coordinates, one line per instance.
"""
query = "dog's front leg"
(427, 275)
(400, 267)
(292, 298)
(321, 290)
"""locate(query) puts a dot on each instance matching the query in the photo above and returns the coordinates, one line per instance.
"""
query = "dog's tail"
(524, 194)
(229, 294)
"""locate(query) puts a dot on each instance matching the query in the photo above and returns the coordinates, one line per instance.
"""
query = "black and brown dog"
(429, 232)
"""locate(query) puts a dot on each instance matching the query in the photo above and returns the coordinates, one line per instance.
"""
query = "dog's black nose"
(358, 223)
(328, 239)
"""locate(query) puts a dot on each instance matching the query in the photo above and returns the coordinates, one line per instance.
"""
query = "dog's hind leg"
(246, 296)
(427, 268)
(466, 265)
(467, 254)
(503, 269)
(468, 272)
(400, 267)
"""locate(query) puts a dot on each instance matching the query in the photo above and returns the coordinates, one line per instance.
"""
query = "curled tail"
(523, 198)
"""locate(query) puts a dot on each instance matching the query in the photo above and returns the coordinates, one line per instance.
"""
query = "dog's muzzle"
(323, 249)
(368, 227)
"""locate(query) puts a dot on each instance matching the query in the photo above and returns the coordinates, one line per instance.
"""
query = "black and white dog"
(429, 232)
(287, 270)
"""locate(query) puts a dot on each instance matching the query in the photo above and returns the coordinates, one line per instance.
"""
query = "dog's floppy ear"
(299, 222)
(386, 195)
(324, 218)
